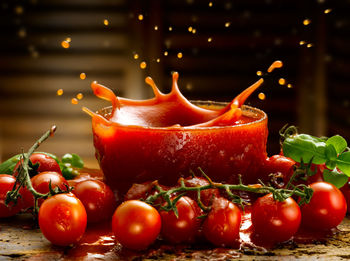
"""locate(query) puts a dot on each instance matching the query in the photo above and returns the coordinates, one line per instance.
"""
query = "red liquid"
(165, 137)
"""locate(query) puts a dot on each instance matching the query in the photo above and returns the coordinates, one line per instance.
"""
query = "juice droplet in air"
(194, 30)
(282, 81)
(165, 53)
(106, 22)
(156, 27)
(259, 73)
(140, 17)
(261, 96)
(289, 85)
(80, 96)
(59, 92)
(309, 45)
(143, 65)
(136, 56)
(301, 42)
(210, 4)
(327, 11)
(74, 101)
(190, 29)
(170, 28)
(83, 76)
(179, 55)
(65, 44)
(274, 65)
(210, 39)
(227, 24)
(68, 39)
(158, 60)
(306, 22)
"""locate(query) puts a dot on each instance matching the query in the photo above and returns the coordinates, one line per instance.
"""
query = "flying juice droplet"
(74, 101)
(80, 96)
(143, 65)
(165, 53)
(179, 55)
(227, 24)
(301, 42)
(261, 96)
(309, 45)
(59, 92)
(106, 22)
(194, 30)
(68, 39)
(327, 11)
(259, 73)
(274, 65)
(289, 85)
(140, 17)
(210, 40)
(170, 28)
(306, 22)
(158, 60)
(136, 56)
(282, 81)
(190, 29)
(156, 27)
(65, 44)
(83, 76)
(210, 4)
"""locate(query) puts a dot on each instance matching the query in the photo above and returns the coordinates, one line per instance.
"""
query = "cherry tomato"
(136, 224)
(62, 219)
(97, 198)
(221, 226)
(6, 184)
(185, 227)
(207, 195)
(275, 221)
(40, 183)
(280, 164)
(45, 163)
(326, 209)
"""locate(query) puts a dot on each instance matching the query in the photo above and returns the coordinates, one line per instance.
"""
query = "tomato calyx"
(23, 177)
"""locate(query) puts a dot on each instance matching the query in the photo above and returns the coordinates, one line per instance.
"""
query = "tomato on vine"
(185, 226)
(221, 226)
(326, 209)
(62, 219)
(6, 184)
(273, 220)
(97, 198)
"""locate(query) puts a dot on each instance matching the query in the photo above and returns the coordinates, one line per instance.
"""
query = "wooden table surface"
(19, 241)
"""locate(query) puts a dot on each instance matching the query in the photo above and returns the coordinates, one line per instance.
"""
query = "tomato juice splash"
(167, 136)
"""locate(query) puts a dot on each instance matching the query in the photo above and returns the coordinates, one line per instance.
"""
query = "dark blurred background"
(216, 46)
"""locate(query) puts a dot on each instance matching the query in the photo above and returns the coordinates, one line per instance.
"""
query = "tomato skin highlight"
(275, 221)
(185, 227)
(326, 209)
(62, 219)
(40, 183)
(97, 198)
(221, 226)
(136, 224)
(6, 184)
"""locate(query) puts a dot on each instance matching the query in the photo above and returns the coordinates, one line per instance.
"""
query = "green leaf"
(343, 163)
(336, 178)
(331, 153)
(331, 164)
(305, 147)
(8, 166)
(338, 142)
(73, 159)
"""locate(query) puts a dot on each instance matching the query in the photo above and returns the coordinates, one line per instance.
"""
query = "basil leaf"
(343, 163)
(73, 159)
(8, 166)
(338, 142)
(331, 153)
(305, 147)
(336, 178)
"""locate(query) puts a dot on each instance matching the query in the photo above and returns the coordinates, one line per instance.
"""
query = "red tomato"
(46, 163)
(207, 195)
(62, 219)
(97, 198)
(326, 209)
(280, 164)
(275, 221)
(136, 224)
(6, 184)
(221, 227)
(185, 227)
(40, 183)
